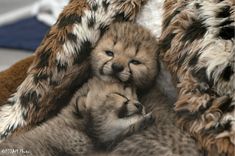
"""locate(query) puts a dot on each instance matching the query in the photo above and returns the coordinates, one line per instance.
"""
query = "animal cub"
(99, 119)
(127, 53)
(105, 110)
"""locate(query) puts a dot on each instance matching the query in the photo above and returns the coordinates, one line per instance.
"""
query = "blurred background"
(23, 23)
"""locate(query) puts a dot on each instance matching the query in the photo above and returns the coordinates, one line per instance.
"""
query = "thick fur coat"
(61, 61)
(90, 122)
(197, 46)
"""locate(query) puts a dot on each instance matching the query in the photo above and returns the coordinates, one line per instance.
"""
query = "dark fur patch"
(61, 66)
(167, 21)
(226, 22)
(91, 22)
(8, 130)
(225, 107)
(194, 31)
(103, 28)
(194, 59)
(95, 7)
(11, 103)
(120, 17)
(25, 115)
(182, 58)
(69, 20)
(30, 97)
(198, 5)
(227, 33)
(72, 37)
(218, 129)
(227, 73)
(105, 4)
(225, 12)
(39, 77)
(44, 59)
(165, 44)
(201, 76)
(83, 53)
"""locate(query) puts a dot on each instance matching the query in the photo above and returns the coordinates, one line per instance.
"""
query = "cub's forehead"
(127, 47)
(128, 35)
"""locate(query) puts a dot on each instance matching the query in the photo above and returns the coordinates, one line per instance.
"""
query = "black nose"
(139, 107)
(117, 67)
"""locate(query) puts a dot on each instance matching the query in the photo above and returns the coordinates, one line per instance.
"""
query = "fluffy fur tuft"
(197, 46)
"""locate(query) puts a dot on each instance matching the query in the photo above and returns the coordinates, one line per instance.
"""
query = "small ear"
(81, 104)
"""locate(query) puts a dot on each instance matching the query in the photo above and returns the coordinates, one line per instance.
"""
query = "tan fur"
(89, 112)
(128, 42)
(163, 138)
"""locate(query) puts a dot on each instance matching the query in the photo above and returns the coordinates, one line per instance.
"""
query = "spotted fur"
(90, 122)
(197, 45)
(60, 64)
(163, 138)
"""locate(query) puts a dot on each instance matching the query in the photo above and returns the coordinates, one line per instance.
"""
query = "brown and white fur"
(197, 46)
(99, 115)
(119, 68)
(61, 61)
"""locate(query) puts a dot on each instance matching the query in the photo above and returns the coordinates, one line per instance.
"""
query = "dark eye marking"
(121, 95)
(135, 62)
(109, 53)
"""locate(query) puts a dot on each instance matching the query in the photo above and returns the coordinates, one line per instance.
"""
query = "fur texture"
(92, 113)
(197, 46)
(60, 64)
(184, 35)
(163, 138)
(107, 108)
(128, 53)
(11, 78)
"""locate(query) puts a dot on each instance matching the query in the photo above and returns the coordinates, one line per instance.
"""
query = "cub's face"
(113, 100)
(117, 60)
(123, 105)
(111, 109)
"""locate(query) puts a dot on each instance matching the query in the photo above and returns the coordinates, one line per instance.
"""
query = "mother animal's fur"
(197, 45)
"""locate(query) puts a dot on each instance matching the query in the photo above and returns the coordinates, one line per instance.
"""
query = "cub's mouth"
(114, 76)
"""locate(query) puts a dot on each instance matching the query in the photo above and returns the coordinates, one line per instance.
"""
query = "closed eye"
(135, 62)
(123, 96)
(109, 53)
